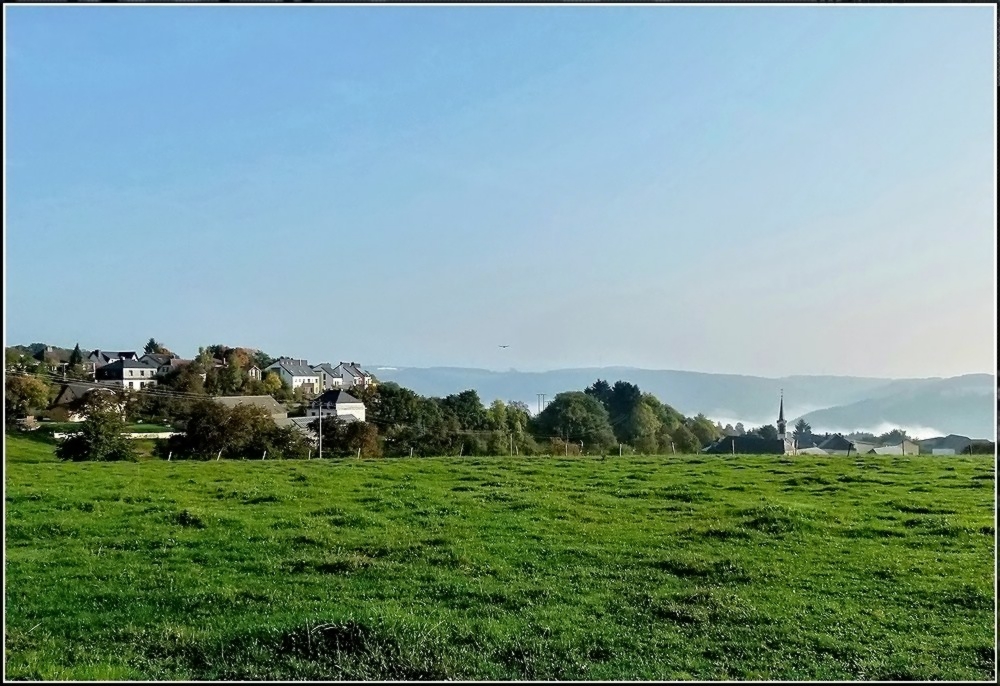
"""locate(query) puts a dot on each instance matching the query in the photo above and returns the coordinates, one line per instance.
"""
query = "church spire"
(781, 416)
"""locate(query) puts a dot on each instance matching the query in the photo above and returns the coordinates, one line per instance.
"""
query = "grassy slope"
(634, 568)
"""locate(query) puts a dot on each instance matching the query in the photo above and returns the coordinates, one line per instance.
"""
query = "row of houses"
(316, 379)
(126, 369)
(335, 404)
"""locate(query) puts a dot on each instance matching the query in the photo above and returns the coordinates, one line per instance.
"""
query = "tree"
(768, 432)
(154, 347)
(643, 427)
(231, 376)
(704, 429)
(204, 360)
(496, 416)
(467, 408)
(601, 390)
(76, 357)
(801, 430)
(363, 437)
(273, 383)
(893, 437)
(24, 393)
(101, 436)
(740, 430)
(685, 441)
(625, 397)
(261, 359)
(245, 431)
(576, 416)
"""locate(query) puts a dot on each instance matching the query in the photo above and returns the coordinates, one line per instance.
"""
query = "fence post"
(219, 455)
(411, 451)
(170, 455)
(309, 456)
(264, 455)
(359, 453)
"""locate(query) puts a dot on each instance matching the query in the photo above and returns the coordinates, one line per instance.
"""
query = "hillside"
(961, 405)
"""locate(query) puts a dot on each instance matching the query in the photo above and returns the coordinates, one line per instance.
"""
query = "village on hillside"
(294, 393)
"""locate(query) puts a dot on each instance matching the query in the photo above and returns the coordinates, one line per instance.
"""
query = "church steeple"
(781, 416)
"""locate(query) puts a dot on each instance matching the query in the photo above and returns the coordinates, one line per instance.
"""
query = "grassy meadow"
(676, 567)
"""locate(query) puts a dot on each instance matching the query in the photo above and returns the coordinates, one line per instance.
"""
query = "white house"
(297, 374)
(353, 375)
(131, 374)
(337, 404)
(163, 363)
(329, 378)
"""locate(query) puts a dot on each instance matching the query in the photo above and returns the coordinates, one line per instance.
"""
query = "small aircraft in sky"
(503, 346)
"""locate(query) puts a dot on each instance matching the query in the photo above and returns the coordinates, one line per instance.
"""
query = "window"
(130, 384)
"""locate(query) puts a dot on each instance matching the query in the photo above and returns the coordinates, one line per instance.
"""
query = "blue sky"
(754, 190)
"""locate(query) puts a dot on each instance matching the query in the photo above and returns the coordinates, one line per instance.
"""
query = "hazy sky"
(754, 190)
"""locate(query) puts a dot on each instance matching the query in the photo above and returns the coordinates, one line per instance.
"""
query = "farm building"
(339, 404)
(266, 402)
(902, 448)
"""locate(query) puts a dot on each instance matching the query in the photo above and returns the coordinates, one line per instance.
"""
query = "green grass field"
(71, 427)
(496, 568)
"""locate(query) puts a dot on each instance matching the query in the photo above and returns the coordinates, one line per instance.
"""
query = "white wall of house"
(138, 379)
(340, 411)
(295, 380)
(328, 382)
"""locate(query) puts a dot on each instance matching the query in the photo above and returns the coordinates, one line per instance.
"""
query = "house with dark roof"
(99, 357)
(297, 374)
(302, 425)
(68, 403)
(131, 374)
(329, 378)
(337, 404)
(353, 375)
(952, 444)
(164, 363)
(748, 444)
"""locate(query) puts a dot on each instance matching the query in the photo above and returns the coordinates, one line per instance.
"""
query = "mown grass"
(677, 567)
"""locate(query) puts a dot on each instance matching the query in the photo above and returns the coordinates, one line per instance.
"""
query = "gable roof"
(128, 364)
(836, 442)
(294, 367)
(72, 392)
(266, 402)
(159, 359)
(352, 369)
(105, 356)
(335, 397)
(326, 367)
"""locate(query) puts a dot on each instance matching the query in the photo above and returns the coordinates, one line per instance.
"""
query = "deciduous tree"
(101, 436)
(23, 393)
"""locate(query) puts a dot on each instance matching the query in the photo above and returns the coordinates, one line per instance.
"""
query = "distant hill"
(933, 406)
(930, 407)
